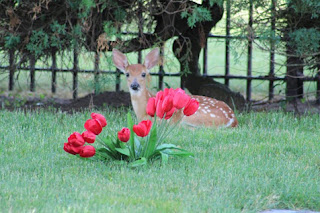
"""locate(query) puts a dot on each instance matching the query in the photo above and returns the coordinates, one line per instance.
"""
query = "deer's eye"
(127, 74)
(143, 74)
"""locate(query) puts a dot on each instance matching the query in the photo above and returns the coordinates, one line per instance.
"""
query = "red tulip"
(88, 136)
(75, 139)
(72, 149)
(143, 128)
(151, 106)
(87, 151)
(180, 99)
(93, 126)
(159, 97)
(159, 110)
(148, 125)
(191, 107)
(170, 113)
(100, 118)
(124, 134)
(167, 103)
(167, 91)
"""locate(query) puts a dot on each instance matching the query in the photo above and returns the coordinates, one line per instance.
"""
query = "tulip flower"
(143, 128)
(148, 125)
(124, 135)
(159, 97)
(100, 118)
(88, 136)
(159, 110)
(87, 151)
(180, 99)
(170, 113)
(191, 107)
(151, 107)
(72, 149)
(167, 103)
(75, 139)
(93, 126)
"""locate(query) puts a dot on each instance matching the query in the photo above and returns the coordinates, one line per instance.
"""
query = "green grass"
(271, 161)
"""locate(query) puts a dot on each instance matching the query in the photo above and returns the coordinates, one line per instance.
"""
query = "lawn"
(272, 160)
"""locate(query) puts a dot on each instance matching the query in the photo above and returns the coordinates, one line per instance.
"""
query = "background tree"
(38, 28)
(295, 35)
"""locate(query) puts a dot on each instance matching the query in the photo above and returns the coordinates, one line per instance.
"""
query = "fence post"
(250, 38)
(205, 59)
(272, 50)
(227, 56)
(32, 72)
(96, 73)
(140, 29)
(75, 73)
(54, 71)
(11, 69)
(318, 85)
(161, 71)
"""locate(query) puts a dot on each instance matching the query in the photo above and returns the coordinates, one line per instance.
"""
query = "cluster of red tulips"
(76, 141)
(169, 101)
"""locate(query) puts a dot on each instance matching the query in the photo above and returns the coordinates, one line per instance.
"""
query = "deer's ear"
(119, 60)
(152, 59)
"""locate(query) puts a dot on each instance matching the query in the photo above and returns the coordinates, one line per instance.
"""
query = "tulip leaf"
(138, 146)
(165, 146)
(106, 153)
(124, 151)
(151, 143)
(131, 140)
(164, 158)
(141, 162)
(109, 144)
(178, 152)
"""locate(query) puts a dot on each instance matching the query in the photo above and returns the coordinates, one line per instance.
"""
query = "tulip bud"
(151, 106)
(87, 151)
(100, 118)
(180, 99)
(143, 128)
(93, 126)
(191, 107)
(167, 103)
(124, 134)
(75, 139)
(88, 136)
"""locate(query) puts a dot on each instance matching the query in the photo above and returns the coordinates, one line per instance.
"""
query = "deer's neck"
(139, 103)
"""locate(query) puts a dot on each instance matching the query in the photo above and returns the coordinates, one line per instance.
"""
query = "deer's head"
(137, 74)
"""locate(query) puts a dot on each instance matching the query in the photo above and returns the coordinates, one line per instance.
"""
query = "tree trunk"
(187, 48)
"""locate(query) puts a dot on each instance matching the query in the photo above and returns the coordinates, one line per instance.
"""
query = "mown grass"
(272, 160)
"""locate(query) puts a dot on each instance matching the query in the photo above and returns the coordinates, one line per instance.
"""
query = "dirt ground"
(122, 99)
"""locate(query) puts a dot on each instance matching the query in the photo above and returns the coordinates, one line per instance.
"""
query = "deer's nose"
(135, 86)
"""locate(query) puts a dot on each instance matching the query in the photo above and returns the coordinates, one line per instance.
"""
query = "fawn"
(211, 112)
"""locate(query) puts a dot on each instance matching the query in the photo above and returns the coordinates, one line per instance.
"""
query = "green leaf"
(166, 146)
(137, 146)
(178, 152)
(106, 153)
(124, 151)
(140, 162)
(164, 158)
(109, 144)
(131, 140)
(151, 143)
